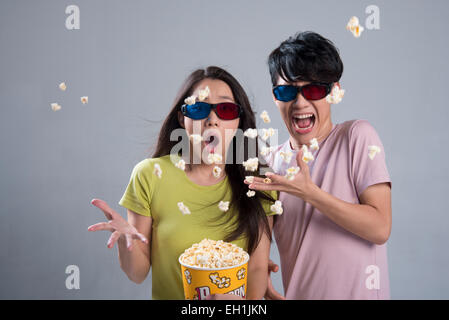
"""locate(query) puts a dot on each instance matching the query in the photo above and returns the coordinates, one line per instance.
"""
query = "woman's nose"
(212, 120)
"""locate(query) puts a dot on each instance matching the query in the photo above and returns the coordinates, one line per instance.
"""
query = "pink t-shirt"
(319, 259)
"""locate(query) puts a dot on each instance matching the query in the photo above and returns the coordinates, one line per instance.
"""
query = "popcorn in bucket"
(212, 267)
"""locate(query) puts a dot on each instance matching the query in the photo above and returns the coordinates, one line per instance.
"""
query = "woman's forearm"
(257, 283)
(135, 263)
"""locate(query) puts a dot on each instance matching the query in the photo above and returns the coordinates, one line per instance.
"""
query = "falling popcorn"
(55, 107)
(286, 156)
(251, 164)
(266, 150)
(250, 133)
(277, 207)
(354, 26)
(291, 172)
(196, 138)
(62, 86)
(307, 155)
(250, 179)
(216, 171)
(251, 193)
(214, 158)
(84, 99)
(336, 95)
(157, 170)
(183, 208)
(223, 206)
(181, 164)
(314, 144)
(267, 180)
(265, 117)
(190, 100)
(267, 133)
(203, 94)
(372, 151)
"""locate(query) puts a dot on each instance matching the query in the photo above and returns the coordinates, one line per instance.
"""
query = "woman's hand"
(300, 186)
(117, 225)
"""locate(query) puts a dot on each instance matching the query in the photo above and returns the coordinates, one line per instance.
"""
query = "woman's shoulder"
(149, 164)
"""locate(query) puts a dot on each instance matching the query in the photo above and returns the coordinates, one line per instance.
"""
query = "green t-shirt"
(173, 231)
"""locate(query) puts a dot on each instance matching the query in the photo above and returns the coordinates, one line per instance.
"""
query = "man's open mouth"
(303, 123)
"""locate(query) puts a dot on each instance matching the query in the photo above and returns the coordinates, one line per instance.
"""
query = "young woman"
(172, 206)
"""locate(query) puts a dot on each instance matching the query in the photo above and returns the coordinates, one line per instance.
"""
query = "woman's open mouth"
(211, 141)
(303, 123)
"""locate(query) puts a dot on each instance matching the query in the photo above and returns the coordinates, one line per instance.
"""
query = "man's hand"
(272, 294)
(300, 186)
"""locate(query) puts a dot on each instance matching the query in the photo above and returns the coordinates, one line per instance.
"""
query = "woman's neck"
(203, 174)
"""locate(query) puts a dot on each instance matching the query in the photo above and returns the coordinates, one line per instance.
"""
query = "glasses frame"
(299, 89)
(213, 106)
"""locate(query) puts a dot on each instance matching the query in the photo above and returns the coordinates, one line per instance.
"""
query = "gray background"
(130, 58)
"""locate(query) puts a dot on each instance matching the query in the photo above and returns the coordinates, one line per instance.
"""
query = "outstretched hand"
(117, 225)
(299, 186)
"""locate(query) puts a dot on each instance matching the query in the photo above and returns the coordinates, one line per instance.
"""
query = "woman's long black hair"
(251, 220)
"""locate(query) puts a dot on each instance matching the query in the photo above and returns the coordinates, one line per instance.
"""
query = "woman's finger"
(129, 242)
(101, 226)
(103, 206)
(113, 239)
(139, 236)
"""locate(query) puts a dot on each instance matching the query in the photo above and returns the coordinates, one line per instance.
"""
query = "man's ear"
(337, 84)
(181, 119)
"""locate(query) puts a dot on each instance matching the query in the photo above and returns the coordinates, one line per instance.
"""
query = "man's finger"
(303, 167)
(272, 267)
(266, 186)
(255, 179)
(276, 178)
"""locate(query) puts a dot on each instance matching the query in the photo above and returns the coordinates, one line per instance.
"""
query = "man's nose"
(300, 101)
(212, 120)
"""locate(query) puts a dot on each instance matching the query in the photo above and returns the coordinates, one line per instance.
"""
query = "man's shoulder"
(353, 129)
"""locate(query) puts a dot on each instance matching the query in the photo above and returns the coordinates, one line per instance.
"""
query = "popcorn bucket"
(200, 282)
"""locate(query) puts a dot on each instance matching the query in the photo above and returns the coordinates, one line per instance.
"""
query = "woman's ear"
(181, 119)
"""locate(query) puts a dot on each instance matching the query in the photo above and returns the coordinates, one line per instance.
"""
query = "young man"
(337, 209)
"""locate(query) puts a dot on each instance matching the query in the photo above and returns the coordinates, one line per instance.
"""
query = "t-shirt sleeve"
(266, 204)
(367, 156)
(137, 196)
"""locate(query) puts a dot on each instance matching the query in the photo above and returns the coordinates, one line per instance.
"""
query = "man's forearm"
(363, 220)
(134, 263)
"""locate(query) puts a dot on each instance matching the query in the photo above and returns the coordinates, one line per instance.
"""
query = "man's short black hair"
(307, 56)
